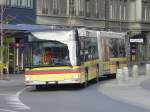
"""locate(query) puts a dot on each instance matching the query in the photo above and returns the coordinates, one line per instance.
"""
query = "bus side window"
(83, 50)
(82, 55)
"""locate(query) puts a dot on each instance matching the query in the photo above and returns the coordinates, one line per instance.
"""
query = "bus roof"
(64, 36)
(87, 33)
(109, 34)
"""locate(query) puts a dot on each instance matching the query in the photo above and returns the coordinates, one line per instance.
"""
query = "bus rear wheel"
(85, 84)
(97, 74)
(38, 87)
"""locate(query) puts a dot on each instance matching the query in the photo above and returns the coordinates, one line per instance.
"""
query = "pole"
(120, 16)
(120, 8)
(1, 51)
(107, 15)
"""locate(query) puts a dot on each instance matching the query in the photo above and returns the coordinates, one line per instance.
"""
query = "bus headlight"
(28, 78)
(27, 69)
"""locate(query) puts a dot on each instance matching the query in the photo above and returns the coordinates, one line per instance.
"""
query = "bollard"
(135, 71)
(147, 70)
(119, 74)
(126, 73)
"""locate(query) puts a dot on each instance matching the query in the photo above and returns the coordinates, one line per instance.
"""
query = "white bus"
(76, 56)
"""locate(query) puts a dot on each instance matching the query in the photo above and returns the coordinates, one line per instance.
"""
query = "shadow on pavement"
(68, 87)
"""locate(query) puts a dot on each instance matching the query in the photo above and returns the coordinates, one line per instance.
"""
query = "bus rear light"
(75, 76)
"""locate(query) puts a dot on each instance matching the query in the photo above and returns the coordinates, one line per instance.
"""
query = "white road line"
(3, 94)
(5, 110)
(19, 92)
(15, 102)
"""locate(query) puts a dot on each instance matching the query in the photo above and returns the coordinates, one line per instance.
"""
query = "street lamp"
(1, 38)
(107, 15)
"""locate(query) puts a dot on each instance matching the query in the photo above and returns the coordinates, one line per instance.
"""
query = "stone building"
(19, 11)
(132, 16)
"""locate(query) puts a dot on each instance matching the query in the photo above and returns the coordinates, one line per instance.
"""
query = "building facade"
(119, 14)
(90, 13)
(132, 16)
(19, 11)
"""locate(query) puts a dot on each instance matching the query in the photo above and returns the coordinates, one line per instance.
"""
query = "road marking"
(5, 110)
(15, 102)
(21, 91)
(3, 94)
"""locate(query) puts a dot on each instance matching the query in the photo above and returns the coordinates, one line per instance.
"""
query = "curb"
(129, 92)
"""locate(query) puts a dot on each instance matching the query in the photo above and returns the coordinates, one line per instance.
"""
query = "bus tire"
(38, 87)
(85, 84)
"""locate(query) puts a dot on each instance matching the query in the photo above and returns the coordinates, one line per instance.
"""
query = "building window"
(24, 3)
(123, 5)
(101, 8)
(88, 14)
(124, 13)
(3, 2)
(72, 10)
(76, 7)
(45, 6)
(145, 14)
(13, 3)
(19, 3)
(63, 7)
(55, 7)
(30, 3)
(111, 11)
(7, 2)
(96, 13)
(27, 3)
(81, 7)
(117, 9)
(145, 10)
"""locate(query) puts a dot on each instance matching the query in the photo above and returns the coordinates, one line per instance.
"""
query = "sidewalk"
(130, 91)
(12, 79)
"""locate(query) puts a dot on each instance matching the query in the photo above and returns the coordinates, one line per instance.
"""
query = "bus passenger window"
(36, 58)
(48, 57)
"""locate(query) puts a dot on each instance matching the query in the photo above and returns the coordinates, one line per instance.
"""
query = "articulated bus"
(112, 52)
(68, 56)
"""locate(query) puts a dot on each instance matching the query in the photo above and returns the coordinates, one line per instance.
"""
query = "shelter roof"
(25, 27)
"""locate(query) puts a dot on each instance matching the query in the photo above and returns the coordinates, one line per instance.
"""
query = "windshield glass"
(47, 54)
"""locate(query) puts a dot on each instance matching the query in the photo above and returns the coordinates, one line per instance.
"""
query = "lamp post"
(107, 15)
(1, 38)
(120, 8)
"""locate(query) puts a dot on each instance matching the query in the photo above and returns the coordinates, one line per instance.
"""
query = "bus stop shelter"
(13, 53)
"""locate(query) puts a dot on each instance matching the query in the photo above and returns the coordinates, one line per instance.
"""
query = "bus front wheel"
(85, 84)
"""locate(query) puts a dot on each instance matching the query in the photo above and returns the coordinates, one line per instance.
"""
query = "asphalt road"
(17, 98)
(146, 85)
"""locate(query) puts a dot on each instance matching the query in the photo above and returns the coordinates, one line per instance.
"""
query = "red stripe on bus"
(45, 73)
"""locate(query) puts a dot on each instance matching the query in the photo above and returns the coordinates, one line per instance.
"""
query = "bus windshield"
(47, 54)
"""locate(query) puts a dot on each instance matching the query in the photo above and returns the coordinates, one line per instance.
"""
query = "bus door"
(105, 56)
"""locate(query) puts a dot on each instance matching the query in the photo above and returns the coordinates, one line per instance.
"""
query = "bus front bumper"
(30, 83)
